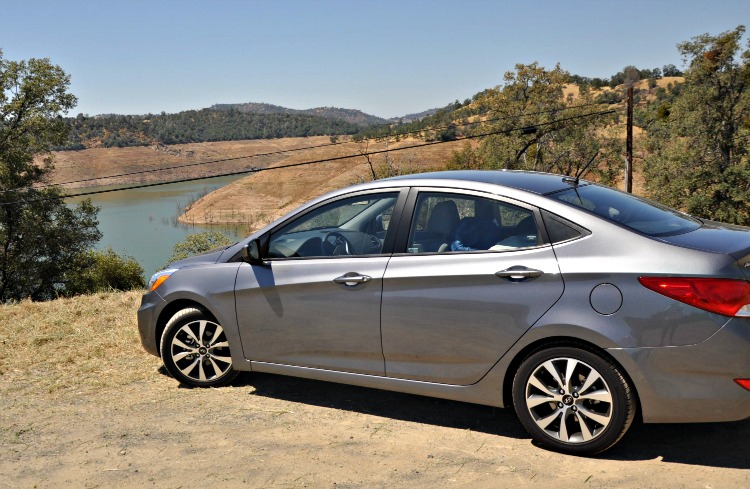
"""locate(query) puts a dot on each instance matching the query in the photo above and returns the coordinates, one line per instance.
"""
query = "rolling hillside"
(349, 115)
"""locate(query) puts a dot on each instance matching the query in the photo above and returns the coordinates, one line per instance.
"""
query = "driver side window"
(351, 226)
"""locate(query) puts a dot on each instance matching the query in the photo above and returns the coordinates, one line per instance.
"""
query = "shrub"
(99, 271)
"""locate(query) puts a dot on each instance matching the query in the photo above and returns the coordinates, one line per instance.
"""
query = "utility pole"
(629, 145)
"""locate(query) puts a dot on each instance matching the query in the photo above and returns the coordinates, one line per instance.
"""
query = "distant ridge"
(351, 116)
(414, 117)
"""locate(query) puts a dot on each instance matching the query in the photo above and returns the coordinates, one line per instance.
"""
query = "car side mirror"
(251, 253)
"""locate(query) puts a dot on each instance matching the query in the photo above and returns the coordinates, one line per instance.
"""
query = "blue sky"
(387, 58)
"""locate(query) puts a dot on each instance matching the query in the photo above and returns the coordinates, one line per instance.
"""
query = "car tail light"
(723, 296)
(744, 383)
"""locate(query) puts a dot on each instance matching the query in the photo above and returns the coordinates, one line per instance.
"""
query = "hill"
(197, 126)
(221, 122)
(148, 164)
(414, 116)
(351, 116)
(266, 195)
(251, 120)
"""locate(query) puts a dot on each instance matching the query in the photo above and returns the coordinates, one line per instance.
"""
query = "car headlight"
(159, 278)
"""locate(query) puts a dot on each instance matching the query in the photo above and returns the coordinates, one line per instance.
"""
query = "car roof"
(536, 182)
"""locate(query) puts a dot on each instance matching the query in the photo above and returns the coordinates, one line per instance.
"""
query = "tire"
(195, 350)
(584, 414)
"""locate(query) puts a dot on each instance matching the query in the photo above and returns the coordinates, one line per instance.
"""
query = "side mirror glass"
(251, 252)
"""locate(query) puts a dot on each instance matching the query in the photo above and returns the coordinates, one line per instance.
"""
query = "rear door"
(448, 316)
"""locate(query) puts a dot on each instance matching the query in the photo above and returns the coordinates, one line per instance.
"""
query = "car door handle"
(352, 279)
(519, 273)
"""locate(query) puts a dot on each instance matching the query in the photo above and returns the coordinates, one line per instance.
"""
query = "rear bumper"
(692, 383)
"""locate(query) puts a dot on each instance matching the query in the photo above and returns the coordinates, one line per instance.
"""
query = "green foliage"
(443, 121)
(41, 239)
(610, 97)
(465, 159)
(194, 126)
(671, 70)
(99, 271)
(699, 142)
(631, 74)
(197, 243)
(42, 242)
(532, 97)
(650, 112)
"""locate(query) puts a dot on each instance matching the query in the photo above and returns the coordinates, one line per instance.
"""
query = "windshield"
(638, 214)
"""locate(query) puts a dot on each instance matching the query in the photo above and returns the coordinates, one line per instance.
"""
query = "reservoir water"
(143, 223)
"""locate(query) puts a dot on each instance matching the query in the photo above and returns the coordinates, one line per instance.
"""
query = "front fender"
(208, 287)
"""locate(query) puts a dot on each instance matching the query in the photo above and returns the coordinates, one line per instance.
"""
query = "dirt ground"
(269, 431)
(82, 405)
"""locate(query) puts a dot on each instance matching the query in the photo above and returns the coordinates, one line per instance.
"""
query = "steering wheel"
(335, 243)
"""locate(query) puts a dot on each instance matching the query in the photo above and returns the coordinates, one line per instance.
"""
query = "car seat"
(440, 226)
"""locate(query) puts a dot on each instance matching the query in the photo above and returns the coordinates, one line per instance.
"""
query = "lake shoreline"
(258, 198)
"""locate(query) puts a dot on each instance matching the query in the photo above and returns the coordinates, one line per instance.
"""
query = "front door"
(317, 301)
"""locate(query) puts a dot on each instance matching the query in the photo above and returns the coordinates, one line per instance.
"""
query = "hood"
(202, 259)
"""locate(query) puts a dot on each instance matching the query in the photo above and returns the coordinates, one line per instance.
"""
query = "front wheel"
(195, 350)
(572, 400)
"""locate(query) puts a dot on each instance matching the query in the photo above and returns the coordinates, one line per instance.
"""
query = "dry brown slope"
(262, 197)
(103, 162)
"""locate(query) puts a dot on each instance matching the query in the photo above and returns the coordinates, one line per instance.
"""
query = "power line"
(525, 130)
(305, 148)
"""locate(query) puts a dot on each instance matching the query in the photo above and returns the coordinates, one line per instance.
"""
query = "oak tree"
(535, 127)
(41, 239)
(699, 146)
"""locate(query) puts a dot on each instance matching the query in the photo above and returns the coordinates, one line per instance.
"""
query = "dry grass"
(85, 343)
(82, 405)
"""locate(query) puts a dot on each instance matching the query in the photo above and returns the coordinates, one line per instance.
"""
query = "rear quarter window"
(560, 230)
(638, 214)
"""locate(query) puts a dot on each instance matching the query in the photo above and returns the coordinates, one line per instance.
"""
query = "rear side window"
(560, 230)
(445, 222)
(640, 215)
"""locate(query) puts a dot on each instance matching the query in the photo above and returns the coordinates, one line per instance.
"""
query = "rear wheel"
(572, 400)
(195, 350)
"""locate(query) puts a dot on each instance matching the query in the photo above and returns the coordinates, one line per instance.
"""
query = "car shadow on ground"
(708, 444)
(704, 444)
(394, 405)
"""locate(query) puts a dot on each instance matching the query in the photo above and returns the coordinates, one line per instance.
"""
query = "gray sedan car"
(577, 304)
